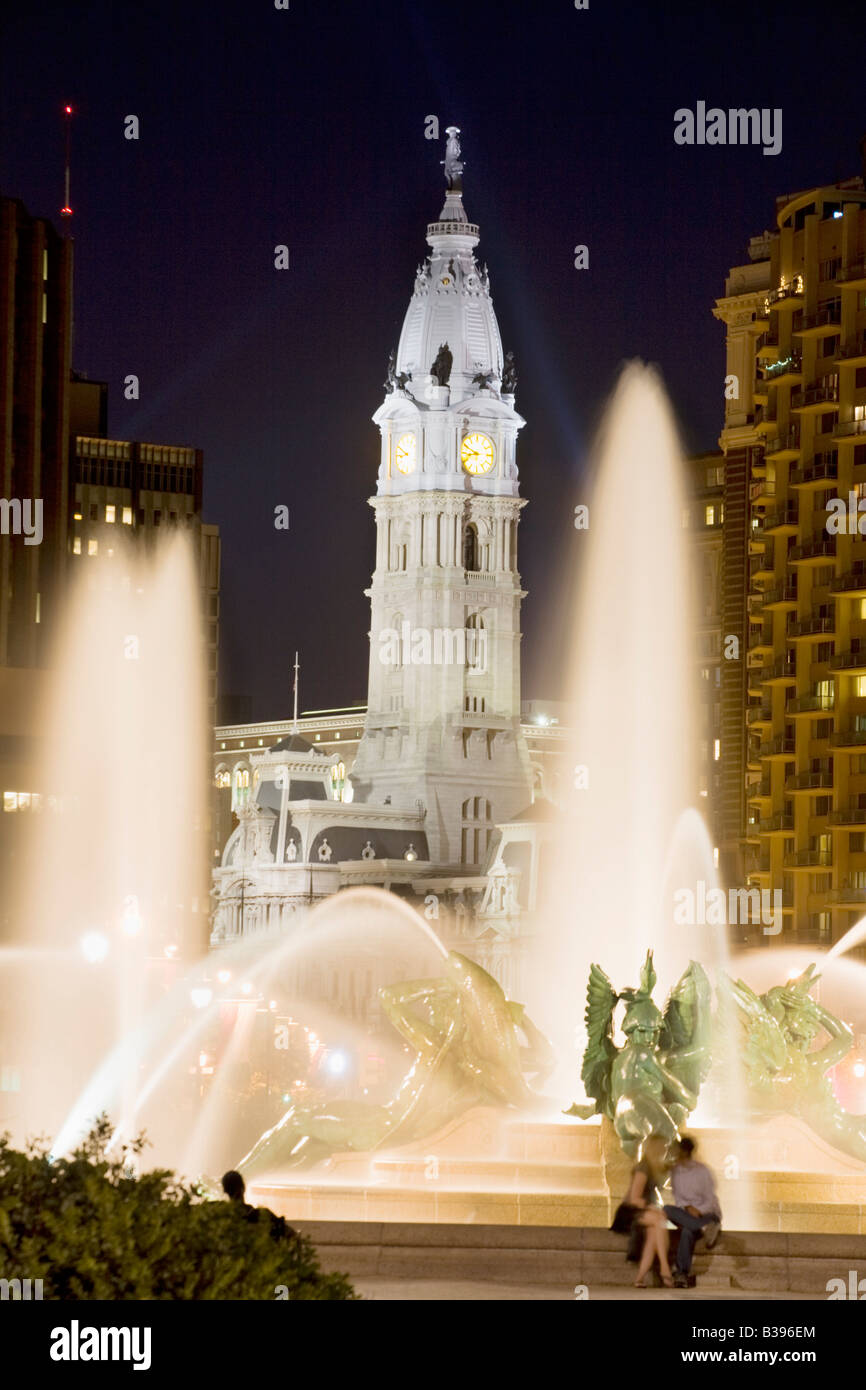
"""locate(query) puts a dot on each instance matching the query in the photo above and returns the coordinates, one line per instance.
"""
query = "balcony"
(812, 627)
(780, 673)
(783, 446)
(788, 296)
(809, 859)
(786, 368)
(853, 276)
(760, 390)
(811, 705)
(849, 429)
(846, 896)
(782, 824)
(853, 352)
(760, 649)
(758, 717)
(782, 521)
(781, 595)
(823, 396)
(853, 663)
(848, 815)
(761, 491)
(823, 469)
(759, 791)
(761, 566)
(814, 552)
(820, 324)
(852, 583)
(848, 738)
(782, 746)
(810, 781)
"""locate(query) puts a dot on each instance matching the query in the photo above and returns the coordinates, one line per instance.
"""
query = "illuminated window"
(110, 513)
(76, 546)
(862, 610)
(860, 685)
(92, 547)
(717, 749)
(710, 514)
(10, 801)
(127, 516)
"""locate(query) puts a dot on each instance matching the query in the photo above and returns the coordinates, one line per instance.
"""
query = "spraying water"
(117, 872)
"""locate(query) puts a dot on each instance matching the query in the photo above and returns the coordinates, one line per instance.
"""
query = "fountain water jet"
(119, 856)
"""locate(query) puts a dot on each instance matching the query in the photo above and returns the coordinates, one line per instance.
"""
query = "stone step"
(397, 1202)
(549, 1256)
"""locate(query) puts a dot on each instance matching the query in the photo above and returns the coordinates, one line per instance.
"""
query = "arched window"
(470, 547)
(240, 787)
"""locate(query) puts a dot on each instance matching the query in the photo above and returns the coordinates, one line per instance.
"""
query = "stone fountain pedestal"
(491, 1168)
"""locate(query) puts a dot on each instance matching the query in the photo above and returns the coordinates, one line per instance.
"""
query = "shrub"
(90, 1228)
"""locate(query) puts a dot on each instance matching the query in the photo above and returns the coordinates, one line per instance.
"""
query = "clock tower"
(442, 732)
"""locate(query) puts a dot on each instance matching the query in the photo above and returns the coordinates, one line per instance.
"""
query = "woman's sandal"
(640, 1283)
(667, 1280)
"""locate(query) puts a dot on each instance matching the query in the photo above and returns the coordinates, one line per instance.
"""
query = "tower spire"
(295, 720)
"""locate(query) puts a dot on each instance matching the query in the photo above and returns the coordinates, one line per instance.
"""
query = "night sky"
(306, 127)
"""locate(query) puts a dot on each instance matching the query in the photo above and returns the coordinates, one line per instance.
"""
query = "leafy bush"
(90, 1228)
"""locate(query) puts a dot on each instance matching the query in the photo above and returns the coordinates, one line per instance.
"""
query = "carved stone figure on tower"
(509, 375)
(392, 366)
(452, 161)
(441, 368)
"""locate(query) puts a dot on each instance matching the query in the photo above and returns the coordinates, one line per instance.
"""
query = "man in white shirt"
(696, 1208)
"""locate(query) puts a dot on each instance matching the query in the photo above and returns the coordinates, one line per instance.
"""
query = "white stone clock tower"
(442, 731)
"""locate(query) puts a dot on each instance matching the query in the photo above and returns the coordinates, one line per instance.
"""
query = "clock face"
(477, 453)
(404, 453)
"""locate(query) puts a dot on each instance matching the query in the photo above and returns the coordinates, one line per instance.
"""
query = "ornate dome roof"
(451, 304)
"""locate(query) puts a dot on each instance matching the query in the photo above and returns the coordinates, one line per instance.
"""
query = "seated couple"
(695, 1210)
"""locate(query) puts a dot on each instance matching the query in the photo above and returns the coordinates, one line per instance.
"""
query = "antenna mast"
(66, 210)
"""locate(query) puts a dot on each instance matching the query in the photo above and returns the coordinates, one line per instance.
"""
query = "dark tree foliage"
(90, 1227)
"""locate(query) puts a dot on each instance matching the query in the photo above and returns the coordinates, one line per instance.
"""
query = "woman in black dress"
(642, 1207)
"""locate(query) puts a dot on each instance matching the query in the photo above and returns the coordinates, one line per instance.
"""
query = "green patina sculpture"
(472, 1047)
(784, 1071)
(651, 1084)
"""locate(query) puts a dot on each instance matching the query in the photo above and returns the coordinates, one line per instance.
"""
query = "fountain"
(363, 1069)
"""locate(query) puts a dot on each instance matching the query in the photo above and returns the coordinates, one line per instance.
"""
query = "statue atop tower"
(452, 161)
